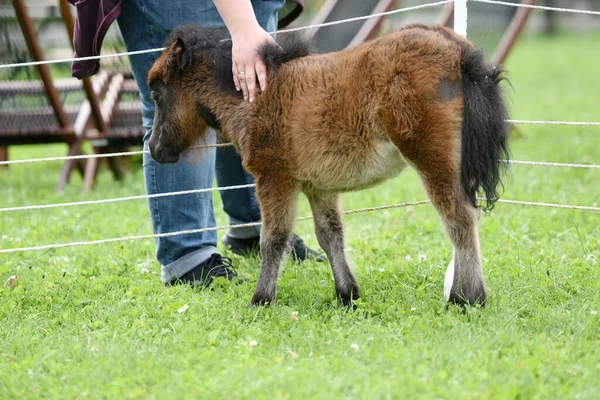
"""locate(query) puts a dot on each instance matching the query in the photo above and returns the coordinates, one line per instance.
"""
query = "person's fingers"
(242, 76)
(236, 79)
(251, 81)
(261, 73)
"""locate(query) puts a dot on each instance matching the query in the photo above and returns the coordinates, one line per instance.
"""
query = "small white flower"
(183, 308)
(594, 312)
(413, 309)
(253, 343)
(4, 237)
(354, 347)
(422, 257)
(408, 258)
(144, 270)
(294, 316)
(126, 300)
(12, 281)
(92, 277)
(381, 269)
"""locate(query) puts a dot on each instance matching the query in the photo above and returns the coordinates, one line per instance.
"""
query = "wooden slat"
(108, 108)
(512, 33)
(371, 26)
(324, 12)
(446, 15)
(4, 155)
(328, 39)
(40, 136)
(111, 100)
(37, 54)
(82, 133)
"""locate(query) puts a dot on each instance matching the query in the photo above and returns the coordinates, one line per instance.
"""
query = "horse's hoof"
(347, 295)
(461, 299)
(262, 299)
(455, 294)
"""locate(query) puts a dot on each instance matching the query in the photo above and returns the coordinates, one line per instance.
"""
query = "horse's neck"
(233, 114)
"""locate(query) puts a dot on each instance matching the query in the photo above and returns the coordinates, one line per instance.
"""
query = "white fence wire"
(140, 152)
(535, 7)
(119, 199)
(568, 123)
(192, 231)
(300, 28)
(194, 191)
(307, 27)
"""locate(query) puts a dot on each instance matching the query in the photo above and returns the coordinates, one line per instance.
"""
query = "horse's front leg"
(330, 234)
(277, 196)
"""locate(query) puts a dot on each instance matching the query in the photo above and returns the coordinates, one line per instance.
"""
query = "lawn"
(95, 321)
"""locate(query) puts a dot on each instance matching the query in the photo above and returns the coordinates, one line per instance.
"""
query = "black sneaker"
(245, 247)
(204, 274)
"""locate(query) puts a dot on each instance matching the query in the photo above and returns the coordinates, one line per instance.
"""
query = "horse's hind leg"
(330, 234)
(464, 283)
(277, 197)
(439, 168)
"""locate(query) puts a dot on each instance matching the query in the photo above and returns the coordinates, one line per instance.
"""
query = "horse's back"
(341, 113)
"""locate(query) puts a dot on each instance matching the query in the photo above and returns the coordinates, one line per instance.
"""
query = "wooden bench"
(104, 111)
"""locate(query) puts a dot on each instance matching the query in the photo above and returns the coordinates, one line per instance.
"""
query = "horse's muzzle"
(163, 155)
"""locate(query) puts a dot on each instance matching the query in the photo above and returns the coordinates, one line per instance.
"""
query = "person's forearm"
(238, 15)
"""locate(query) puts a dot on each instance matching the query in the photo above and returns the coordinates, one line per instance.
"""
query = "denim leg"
(145, 24)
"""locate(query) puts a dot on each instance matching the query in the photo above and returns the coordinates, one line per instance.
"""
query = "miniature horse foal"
(422, 96)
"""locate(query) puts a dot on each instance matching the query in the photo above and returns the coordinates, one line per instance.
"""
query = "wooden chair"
(70, 111)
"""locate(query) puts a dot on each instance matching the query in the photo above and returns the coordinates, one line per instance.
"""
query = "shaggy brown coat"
(422, 96)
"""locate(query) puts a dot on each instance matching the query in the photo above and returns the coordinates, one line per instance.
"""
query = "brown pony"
(422, 96)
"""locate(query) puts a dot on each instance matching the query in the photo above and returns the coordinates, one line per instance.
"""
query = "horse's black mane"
(215, 44)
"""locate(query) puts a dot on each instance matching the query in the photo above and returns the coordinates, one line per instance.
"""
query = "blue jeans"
(145, 24)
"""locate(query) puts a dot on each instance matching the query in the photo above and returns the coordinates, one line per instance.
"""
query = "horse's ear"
(179, 56)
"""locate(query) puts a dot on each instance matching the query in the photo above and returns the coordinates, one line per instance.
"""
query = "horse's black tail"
(485, 149)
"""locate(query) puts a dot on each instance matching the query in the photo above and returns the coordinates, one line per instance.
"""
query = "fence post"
(460, 17)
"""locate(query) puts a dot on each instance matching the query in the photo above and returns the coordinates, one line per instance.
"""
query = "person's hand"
(247, 64)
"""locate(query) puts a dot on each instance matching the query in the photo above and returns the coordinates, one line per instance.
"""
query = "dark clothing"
(94, 17)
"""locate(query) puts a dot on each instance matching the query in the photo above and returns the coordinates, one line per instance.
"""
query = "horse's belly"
(360, 169)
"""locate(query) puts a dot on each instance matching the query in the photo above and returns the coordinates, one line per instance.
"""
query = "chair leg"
(91, 171)
(4, 156)
(114, 163)
(67, 169)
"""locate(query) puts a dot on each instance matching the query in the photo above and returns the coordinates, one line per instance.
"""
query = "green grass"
(86, 322)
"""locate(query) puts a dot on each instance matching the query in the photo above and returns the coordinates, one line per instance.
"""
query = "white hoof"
(449, 280)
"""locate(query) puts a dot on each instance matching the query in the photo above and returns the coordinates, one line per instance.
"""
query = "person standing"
(145, 24)
(194, 258)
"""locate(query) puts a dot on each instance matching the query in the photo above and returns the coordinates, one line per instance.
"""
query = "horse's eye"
(154, 96)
